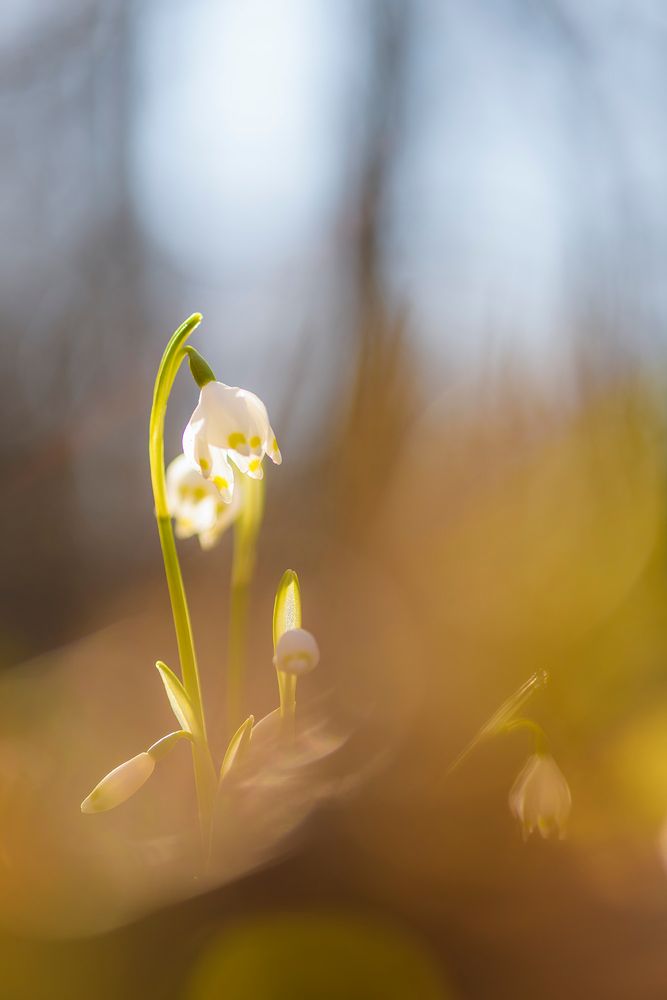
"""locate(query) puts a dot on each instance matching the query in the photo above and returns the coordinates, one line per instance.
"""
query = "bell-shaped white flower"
(119, 784)
(202, 507)
(229, 423)
(297, 652)
(540, 797)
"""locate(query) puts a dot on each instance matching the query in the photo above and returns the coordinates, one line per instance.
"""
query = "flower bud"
(119, 784)
(296, 652)
(540, 797)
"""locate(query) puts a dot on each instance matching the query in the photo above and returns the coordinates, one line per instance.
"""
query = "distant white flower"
(297, 652)
(199, 506)
(229, 423)
(119, 784)
(540, 797)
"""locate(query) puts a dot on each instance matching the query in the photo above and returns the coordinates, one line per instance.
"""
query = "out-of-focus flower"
(199, 506)
(119, 784)
(229, 423)
(297, 652)
(312, 742)
(272, 788)
(540, 797)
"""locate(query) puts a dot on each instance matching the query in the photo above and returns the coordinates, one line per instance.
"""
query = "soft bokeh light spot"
(315, 954)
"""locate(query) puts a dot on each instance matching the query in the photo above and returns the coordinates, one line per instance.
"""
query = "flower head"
(540, 797)
(229, 423)
(197, 504)
(119, 784)
(297, 652)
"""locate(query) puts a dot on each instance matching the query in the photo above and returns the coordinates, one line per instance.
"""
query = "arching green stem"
(538, 734)
(205, 776)
(503, 715)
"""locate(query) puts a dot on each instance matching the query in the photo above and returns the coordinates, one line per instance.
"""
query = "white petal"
(225, 515)
(184, 527)
(297, 652)
(226, 415)
(249, 465)
(196, 447)
(222, 473)
(262, 430)
(258, 420)
(272, 449)
(177, 472)
(184, 481)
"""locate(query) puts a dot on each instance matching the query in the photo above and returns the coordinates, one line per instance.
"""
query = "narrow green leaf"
(181, 705)
(287, 606)
(238, 744)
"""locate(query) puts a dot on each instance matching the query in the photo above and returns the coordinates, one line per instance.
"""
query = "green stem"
(287, 692)
(501, 718)
(538, 734)
(204, 769)
(246, 531)
(238, 618)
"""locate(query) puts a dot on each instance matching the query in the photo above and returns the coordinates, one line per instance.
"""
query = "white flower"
(229, 423)
(119, 784)
(199, 506)
(540, 797)
(297, 652)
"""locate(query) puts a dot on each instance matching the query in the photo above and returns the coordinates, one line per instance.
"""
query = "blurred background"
(432, 236)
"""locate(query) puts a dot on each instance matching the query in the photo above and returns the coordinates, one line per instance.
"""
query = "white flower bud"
(119, 784)
(296, 652)
(540, 797)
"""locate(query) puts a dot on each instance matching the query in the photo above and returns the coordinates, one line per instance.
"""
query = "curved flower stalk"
(197, 506)
(540, 797)
(201, 755)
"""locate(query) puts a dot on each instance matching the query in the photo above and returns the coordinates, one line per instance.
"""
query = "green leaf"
(287, 607)
(181, 705)
(238, 744)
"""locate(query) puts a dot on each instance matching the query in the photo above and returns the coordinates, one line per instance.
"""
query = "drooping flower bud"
(119, 784)
(297, 652)
(540, 797)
